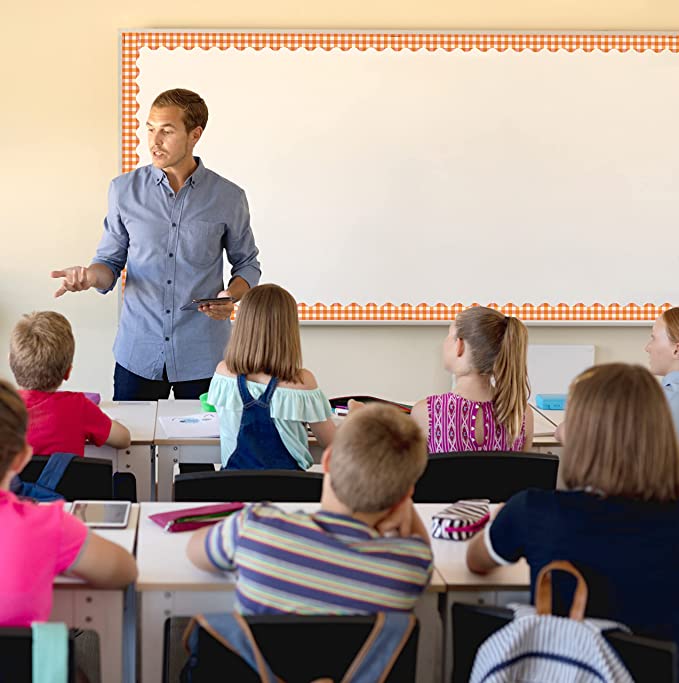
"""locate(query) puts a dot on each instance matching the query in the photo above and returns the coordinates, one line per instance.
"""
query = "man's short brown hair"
(620, 438)
(377, 455)
(13, 424)
(194, 109)
(41, 350)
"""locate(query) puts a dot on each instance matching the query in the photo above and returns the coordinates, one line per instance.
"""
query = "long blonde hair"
(499, 345)
(620, 438)
(266, 335)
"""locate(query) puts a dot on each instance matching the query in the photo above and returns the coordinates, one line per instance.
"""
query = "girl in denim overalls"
(263, 396)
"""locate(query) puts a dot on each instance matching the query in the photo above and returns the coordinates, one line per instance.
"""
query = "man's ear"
(195, 134)
(325, 459)
(68, 374)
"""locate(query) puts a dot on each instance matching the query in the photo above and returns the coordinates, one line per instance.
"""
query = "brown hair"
(41, 350)
(377, 455)
(266, 335)
(620, 438)
(671, 319)
(194, 109)
(13, 424)
(499, 345)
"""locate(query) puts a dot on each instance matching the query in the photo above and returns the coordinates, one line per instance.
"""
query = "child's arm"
(104, 564)
(479, 560)
(530, 420)
(197, 553)
(323, 431)
(404, 520)
(119, 436)
(420, 414)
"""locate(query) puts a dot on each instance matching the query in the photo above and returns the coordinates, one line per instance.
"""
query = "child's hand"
(400, 520)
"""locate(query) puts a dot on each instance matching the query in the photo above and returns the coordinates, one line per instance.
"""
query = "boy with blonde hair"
(366, 550)
(41, 357)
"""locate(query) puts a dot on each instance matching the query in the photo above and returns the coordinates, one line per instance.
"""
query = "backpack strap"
(381, 648)
(543, 590)
(54, 470)
(233, 632)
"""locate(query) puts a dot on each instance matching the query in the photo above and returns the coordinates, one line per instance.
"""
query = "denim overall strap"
(259, 445)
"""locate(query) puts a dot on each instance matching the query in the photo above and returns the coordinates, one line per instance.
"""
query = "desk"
(169, 585)
(139, 459)
(111, 613)
(543, 430)
(502, 585)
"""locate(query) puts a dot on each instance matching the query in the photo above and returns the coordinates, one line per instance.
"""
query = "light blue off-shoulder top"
(291, 409)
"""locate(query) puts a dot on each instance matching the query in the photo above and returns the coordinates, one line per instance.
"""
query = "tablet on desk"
(107, 514)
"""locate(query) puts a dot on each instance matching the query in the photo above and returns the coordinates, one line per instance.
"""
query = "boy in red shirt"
(41, 357)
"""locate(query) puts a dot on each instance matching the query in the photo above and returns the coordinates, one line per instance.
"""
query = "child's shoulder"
(306, 381)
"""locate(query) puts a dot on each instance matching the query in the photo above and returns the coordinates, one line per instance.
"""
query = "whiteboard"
(543, 181)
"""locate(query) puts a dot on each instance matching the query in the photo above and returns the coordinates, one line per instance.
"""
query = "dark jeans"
(130, 387)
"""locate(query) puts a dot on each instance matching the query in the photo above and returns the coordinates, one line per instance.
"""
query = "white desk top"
(177, 409)
(163, 564)
(138, 416)
(449, 559)
(126, 538)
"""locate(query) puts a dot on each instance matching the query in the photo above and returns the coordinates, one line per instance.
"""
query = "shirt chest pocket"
(200, 242)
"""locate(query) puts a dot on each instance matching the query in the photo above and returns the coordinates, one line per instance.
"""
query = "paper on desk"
(199, 426)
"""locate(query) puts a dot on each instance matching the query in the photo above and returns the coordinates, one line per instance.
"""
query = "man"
(169, 222)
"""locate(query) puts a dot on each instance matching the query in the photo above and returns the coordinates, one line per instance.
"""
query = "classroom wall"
(59, 119)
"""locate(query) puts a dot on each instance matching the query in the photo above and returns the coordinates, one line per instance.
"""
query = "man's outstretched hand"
(75, 279)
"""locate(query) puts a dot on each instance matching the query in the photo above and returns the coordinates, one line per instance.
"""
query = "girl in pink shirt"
(37, 542)
(488, 410)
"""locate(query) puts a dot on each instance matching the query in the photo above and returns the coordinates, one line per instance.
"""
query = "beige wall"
(60, 131)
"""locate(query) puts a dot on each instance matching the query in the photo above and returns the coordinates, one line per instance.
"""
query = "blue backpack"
(44, 489)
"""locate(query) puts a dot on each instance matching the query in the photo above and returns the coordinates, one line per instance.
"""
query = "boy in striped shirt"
(366, 549)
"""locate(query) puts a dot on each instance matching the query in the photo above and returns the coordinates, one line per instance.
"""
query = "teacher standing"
(170, 223)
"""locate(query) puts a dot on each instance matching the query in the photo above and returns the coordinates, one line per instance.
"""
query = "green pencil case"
(207, 407)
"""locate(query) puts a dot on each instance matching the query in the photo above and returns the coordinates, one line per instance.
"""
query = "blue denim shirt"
(173, 247)
(670, 383)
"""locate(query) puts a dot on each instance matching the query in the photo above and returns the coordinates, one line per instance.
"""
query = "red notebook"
(188, 519)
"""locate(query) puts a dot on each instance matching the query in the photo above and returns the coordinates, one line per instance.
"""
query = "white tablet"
(112, 514)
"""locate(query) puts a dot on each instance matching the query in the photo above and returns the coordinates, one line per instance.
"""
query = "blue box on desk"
(551, 401)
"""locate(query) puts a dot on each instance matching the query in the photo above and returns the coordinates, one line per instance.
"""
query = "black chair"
(16, 650)
(647, 660)
(249, 486)
(330, 645)
(84, 478)
(496, 475)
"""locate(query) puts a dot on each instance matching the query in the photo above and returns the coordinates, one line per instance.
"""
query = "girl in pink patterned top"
(488, 411)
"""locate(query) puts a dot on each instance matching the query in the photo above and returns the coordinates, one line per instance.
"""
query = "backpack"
(539, 647)
(44, 489)
(372, 663)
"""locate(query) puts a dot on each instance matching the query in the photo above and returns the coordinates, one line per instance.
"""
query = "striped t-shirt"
(321, 563)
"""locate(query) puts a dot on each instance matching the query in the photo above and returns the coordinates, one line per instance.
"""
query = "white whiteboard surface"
(436, 176)
(552, 367)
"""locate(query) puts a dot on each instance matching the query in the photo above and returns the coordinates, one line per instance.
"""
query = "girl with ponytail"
(488, 411)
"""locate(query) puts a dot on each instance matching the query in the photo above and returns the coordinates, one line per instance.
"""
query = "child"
(337, 560)
(618, 520)
(663, 357)
(263, 396)
(41, 357)
(486, 352)
(40, 541)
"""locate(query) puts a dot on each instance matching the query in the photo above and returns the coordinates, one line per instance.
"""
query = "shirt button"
(167, 311)
(167, 339)
(171, 254)
(174, 225)
(169, 282)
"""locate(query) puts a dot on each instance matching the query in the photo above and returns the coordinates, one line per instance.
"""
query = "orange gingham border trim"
(132, 42)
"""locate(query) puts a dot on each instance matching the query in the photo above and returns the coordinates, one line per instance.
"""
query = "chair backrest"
(16, 651)
(325, 646)
(645, 658)
(496, 475)
(84, 479)
(249, 486)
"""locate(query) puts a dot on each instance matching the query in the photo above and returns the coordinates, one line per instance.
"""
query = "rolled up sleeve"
(112, 249)
(239, 243)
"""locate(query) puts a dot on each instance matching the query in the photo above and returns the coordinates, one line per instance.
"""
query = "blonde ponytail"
(510, 371)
